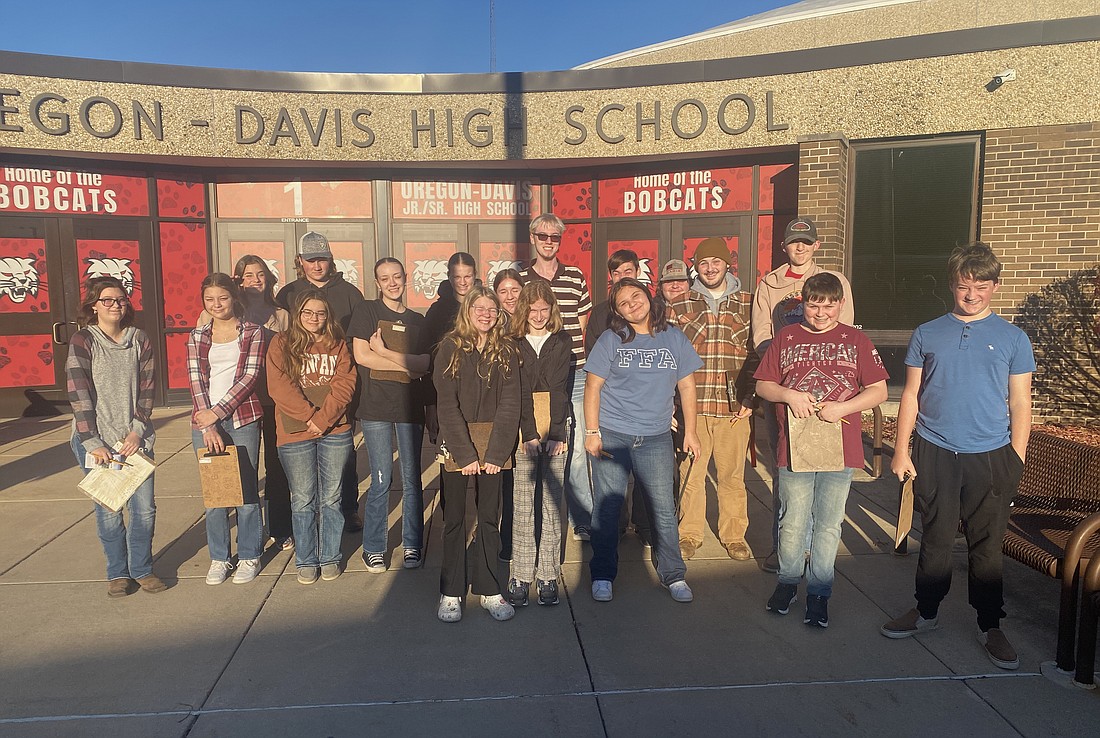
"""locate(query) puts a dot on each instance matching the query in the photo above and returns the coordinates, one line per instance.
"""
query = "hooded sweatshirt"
(331, 367)
(342, 296)
(111, 387)
(778, 303)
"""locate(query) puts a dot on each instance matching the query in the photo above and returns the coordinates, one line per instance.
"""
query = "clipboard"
(112, 485)
(541, 401)
(815, 446)
(905, 516)
(400, 338)
(479, 434)
(220, 477)
(316, 396)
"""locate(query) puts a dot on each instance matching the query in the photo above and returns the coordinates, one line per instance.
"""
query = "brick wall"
(823, 194)
(1041, 215)
(1040, 205)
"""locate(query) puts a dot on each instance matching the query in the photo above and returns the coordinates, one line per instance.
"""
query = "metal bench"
(1054, 528)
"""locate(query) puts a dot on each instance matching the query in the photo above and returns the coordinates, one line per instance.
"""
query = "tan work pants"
(727, 442)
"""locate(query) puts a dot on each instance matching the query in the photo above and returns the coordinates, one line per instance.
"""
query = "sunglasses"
(551, 237)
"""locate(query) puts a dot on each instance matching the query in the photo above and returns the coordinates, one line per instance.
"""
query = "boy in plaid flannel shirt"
(714, 315)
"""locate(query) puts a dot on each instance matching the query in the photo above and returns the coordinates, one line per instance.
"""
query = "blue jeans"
(313, 468)
(129, 551)
(378, 438)
(578, 487)
(250, 524)
(651, 460)
(811, 506)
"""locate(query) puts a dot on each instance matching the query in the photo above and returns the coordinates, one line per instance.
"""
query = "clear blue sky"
(380, 36)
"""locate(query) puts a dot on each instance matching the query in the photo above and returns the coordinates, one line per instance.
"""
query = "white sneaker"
(218, 571)
(680, 591)
(247, 569)
(601, 590)
(498, 607)
(450, 609)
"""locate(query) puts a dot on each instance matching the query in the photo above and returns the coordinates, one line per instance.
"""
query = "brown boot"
(152, 584)
(739, 551)
(688, 548)
(118, 587)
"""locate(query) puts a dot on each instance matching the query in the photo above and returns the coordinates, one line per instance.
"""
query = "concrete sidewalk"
(365, 655)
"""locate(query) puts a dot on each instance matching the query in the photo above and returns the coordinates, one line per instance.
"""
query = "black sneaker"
(548, 592)
(782, 598)
(817, 611)
(517, 593)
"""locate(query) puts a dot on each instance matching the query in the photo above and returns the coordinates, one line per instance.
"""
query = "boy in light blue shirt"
(968, 397)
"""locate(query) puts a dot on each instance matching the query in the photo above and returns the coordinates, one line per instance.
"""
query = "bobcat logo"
(117, 268)
(273, 265)
(18, 278)
(645, 273)
(500, 266)
(349, 270)
(427, 275)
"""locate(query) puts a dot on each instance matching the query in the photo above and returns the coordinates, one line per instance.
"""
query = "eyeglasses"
(314, 314)
(112, 301)
(551, 237)
(486, 311)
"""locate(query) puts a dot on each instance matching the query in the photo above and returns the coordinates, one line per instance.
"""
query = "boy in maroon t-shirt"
(819, 367)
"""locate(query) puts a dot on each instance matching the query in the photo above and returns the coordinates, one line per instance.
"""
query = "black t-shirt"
(392, 402)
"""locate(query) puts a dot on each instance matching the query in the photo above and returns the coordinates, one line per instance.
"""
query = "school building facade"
(903, 127)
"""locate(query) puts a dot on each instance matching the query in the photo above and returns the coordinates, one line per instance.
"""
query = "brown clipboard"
(815, 446)
(905, 515)
(541, 401)
(479, 434)
(316, 396)
(400, 338)
(220, 477)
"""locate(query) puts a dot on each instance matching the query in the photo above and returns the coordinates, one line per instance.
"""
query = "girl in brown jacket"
(312, 379)
(477, 381)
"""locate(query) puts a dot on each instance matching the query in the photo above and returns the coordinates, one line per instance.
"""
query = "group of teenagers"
(536, 398)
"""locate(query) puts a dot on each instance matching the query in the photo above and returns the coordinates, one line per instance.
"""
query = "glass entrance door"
(655, 241)
(43, 264)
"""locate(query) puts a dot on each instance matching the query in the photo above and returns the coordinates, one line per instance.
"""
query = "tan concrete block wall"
(823, 195)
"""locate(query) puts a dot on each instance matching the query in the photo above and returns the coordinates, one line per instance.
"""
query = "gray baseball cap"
(313, 245)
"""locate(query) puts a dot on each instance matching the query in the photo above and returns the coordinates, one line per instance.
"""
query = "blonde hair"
(532, 292)
(499, 349)
(298, 341)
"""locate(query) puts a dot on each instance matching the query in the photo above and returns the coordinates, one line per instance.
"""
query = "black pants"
(974, 488)
(276, 487)
(474, 566)
(507, 509)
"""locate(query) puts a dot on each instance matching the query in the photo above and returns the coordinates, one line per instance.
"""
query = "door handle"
(57, 339)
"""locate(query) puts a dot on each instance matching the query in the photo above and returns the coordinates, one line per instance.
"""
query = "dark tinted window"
(913, 204)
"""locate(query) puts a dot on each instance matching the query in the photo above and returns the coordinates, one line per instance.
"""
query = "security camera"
(1007, 75)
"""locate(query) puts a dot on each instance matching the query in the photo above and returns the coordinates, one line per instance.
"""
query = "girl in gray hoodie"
(109, 375)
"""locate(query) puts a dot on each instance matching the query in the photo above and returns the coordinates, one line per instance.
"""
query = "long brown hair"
(227, 283)
(499, 349)
(532, 292)
(93, 289)
(298, 341)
